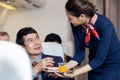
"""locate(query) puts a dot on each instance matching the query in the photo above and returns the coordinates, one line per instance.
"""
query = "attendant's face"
(76, 21)
(32, 44)
(5, 38)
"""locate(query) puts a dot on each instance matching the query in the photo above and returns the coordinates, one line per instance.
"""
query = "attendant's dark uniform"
(104, 54)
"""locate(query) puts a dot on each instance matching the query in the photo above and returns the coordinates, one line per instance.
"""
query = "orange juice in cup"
(62, 67)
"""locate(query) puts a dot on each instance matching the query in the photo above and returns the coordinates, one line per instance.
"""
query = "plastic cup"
(62, 67)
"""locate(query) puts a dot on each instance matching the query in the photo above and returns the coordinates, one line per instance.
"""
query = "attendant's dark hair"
(52, 37)
(78, 7)
(23, 32)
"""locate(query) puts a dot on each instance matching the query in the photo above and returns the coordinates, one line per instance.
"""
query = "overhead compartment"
(25, 4)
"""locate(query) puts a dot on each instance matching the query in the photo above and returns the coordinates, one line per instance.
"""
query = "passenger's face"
(76, 21)
(32, 44)
(5, 38)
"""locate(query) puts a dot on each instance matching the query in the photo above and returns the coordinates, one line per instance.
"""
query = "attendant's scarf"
(90, 30)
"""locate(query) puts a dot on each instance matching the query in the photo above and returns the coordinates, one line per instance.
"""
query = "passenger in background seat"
(53, 37)
(4, 36)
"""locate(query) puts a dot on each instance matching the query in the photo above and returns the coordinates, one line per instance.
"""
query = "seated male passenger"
(29, 39)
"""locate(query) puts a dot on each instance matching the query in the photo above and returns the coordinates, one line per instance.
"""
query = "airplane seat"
(14, 62)
(52, 48)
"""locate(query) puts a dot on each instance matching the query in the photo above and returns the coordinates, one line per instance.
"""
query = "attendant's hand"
(60, 74)
(43, 64)
(51, 71)
(68, 74)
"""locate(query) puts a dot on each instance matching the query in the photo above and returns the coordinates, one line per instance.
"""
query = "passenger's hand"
(43, 64)
(46, 62)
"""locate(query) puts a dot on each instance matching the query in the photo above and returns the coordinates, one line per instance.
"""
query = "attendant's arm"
(82, 70)
(79, 49)
(79, 71)
(71, 64)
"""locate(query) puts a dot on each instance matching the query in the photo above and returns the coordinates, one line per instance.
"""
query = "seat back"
(52, 48)
(14, 62)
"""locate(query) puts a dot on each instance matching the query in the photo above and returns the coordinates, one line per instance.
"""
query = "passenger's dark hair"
(23, 32)
(78, 7)
(52, 37)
